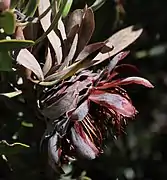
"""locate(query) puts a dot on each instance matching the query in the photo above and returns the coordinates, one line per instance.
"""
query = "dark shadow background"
(141, 153)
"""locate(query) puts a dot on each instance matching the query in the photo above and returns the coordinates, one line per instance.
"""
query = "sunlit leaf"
(67, 8)
(97, 4)
(26, 59)
(48, 63)
(71, 53)
(12, 94)
(26, 124)
(70, 71)
(61, 28)
(49, 30)
(11, 149)
(89, 49)
(126, 81)
(118, 42)
(46, 25)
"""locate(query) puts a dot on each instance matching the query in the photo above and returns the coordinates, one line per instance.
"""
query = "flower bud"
(4, 4)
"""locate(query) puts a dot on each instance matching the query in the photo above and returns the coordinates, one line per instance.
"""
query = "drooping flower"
(82, 107)
(86, 109)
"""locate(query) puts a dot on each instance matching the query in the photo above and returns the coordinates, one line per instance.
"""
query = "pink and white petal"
(109, 84)
(136, 80)
(80, 113)
(114, 101)
(83, 148)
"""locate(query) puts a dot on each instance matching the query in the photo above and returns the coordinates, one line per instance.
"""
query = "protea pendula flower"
(81, 106)
(84, 110)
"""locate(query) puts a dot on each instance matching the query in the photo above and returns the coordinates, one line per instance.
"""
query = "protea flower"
(81, 106)
(85, 110)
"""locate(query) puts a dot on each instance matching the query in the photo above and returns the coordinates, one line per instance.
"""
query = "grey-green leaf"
(118, 42)
(26, 59)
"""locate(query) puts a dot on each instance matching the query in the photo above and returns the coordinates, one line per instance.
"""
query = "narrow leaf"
(119, 41)
(26, 59)
(126, 68)
(11, 94)
(70, 71)
(67, 8)
(86, 30)
(71, 53)
(48, 63)
(74, 19)
(61, 28)
(31, 7)
(89, 50)
(11, 149)
(97, 4)
(48, 27)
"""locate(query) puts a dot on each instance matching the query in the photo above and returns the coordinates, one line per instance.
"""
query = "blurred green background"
(140, 153)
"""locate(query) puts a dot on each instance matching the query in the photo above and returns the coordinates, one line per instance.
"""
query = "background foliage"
(138, 154)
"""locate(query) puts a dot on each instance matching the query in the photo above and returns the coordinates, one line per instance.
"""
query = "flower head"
(86, 109)
(82, 107)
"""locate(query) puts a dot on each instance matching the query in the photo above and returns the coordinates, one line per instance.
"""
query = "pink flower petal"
(113, 101)
(80, 113)
(82, 143)
(136, 80)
